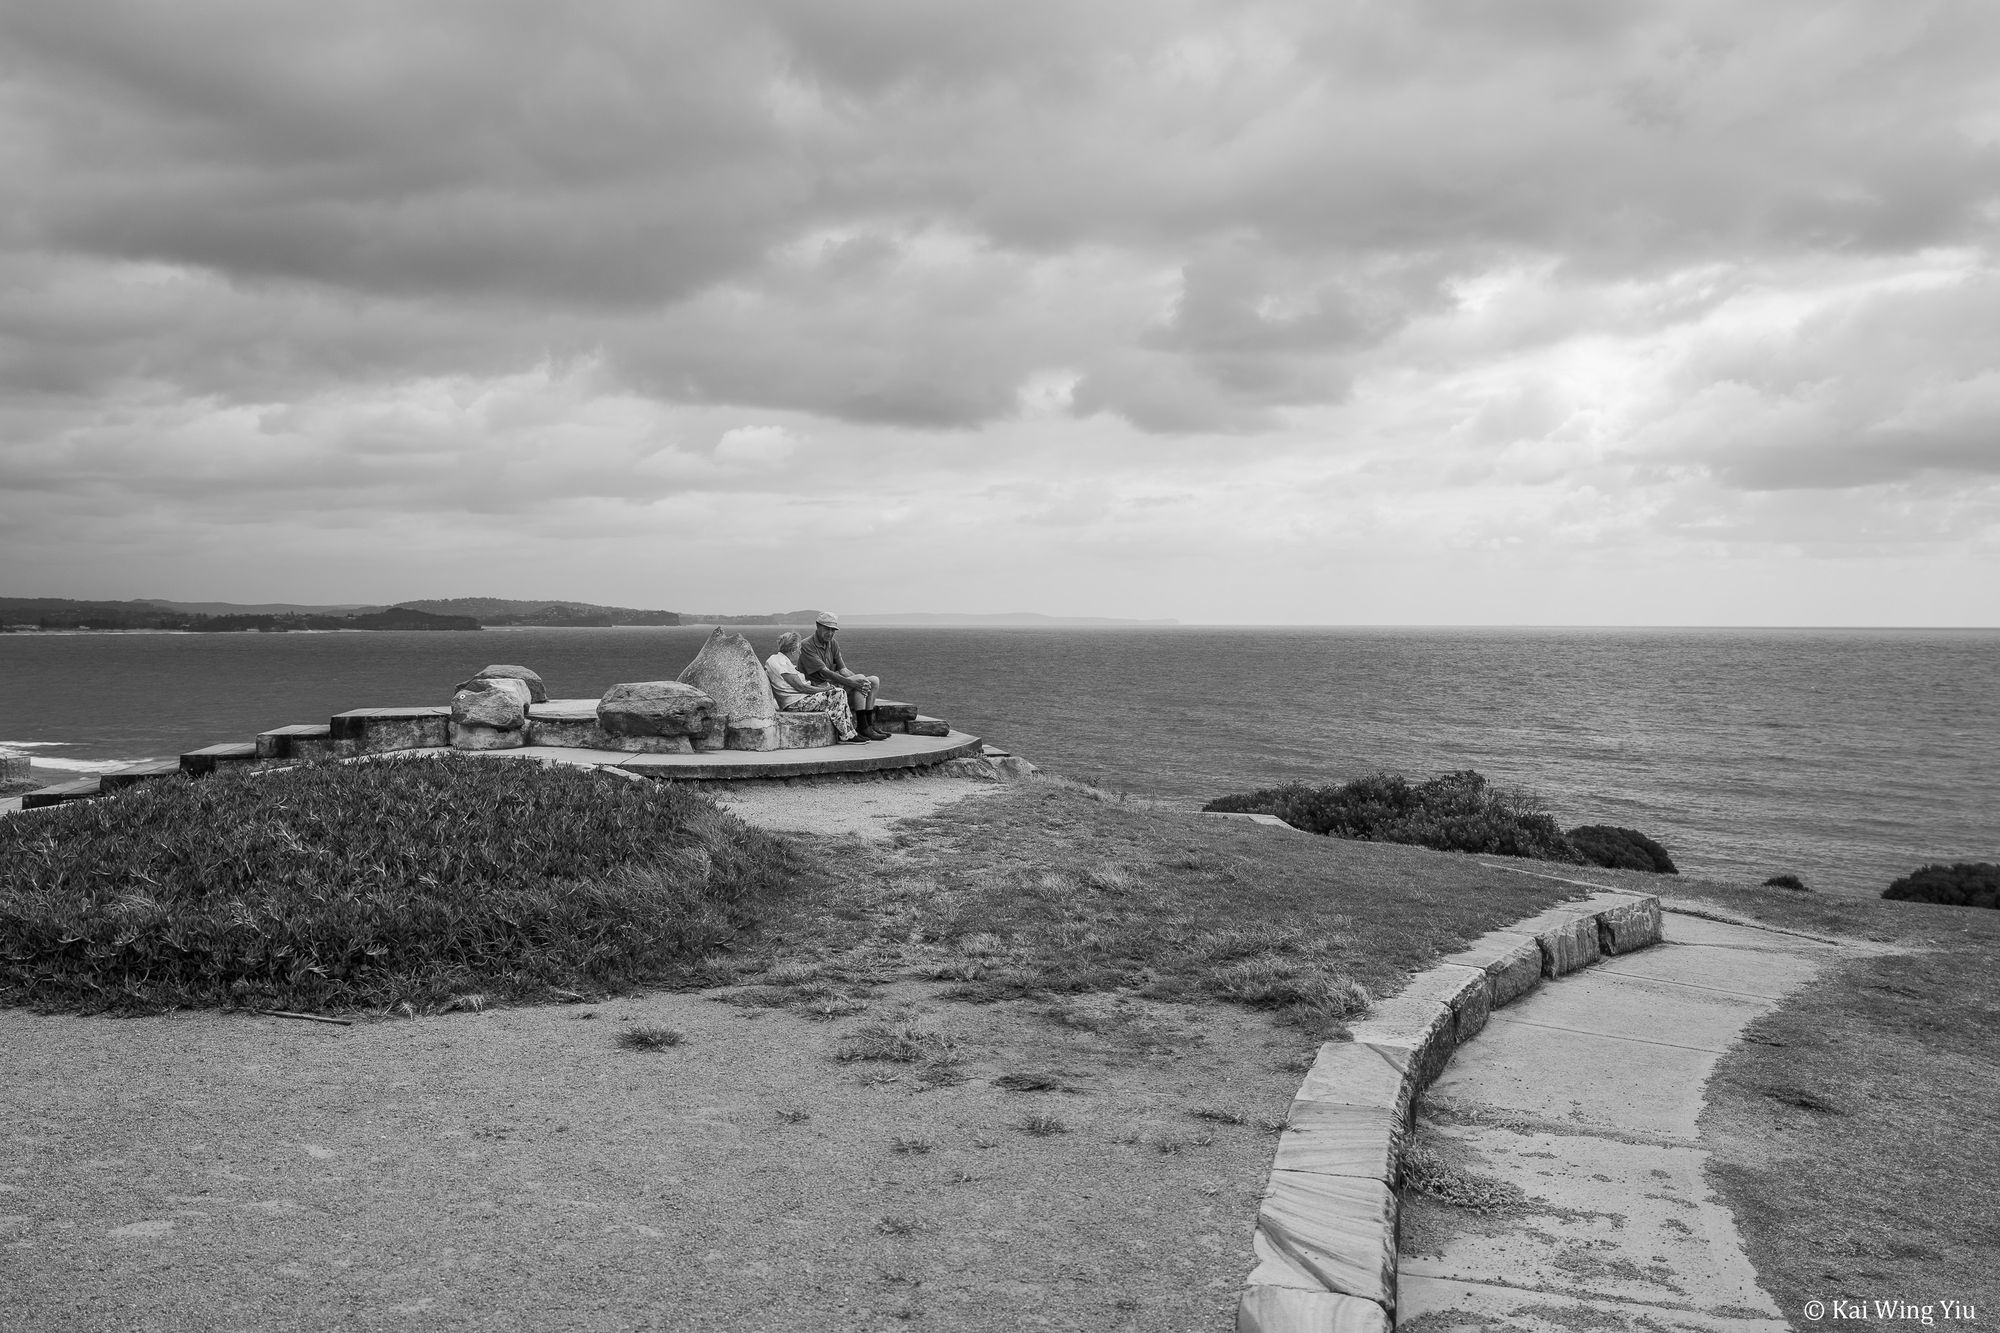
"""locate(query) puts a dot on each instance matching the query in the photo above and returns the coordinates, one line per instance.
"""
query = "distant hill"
(1029, 618)
(503, 611)
(64, 613)
(773, 618)
(261, 608)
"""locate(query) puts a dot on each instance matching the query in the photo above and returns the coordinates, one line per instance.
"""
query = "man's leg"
(861, 698)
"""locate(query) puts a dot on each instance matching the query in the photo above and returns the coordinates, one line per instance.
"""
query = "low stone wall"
(1326, 1229)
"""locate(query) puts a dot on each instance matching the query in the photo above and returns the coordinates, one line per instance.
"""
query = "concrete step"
(200, 763)
(80, 790)
(136, 773)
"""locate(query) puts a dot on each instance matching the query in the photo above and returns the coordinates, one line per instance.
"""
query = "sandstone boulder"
(657, 708)
(537, 692)
(728, 671)
(499, 702)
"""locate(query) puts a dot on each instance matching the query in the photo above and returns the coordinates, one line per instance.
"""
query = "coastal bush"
(1965, 884)
(368, 885)
(1458, 812)
(1620, 849)
(1792, 882)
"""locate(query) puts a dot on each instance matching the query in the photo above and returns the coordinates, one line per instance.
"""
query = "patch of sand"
(863, 809)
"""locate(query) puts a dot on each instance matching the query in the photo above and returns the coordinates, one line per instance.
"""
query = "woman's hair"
(788, 641)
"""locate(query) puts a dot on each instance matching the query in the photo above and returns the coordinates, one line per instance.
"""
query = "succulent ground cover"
(382, 885)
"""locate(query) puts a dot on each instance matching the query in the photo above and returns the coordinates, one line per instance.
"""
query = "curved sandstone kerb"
(1326, 1227)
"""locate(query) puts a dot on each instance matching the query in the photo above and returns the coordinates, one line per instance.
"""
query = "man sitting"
(820, 660)
(797, 695)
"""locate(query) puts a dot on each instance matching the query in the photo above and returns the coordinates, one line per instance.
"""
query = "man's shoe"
(875, 734)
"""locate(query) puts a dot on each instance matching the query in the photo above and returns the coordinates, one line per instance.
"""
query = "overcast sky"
(1347, 311)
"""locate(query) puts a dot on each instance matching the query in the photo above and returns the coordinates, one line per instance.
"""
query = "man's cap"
(828, 619)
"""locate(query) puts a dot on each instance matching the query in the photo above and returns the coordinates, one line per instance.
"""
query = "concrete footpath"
(1584, 1097)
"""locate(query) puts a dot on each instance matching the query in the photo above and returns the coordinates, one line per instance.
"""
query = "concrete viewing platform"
(899, 751)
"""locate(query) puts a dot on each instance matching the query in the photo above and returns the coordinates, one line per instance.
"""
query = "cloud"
(1554, 275)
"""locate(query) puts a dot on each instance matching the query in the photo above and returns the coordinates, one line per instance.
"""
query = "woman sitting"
(798, 695)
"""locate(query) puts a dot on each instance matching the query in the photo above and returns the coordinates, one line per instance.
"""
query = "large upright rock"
(490, 713)
(658, 708)
(537, 692)
(727, 670)
(500, 702)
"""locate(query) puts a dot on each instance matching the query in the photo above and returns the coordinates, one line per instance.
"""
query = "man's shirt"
(819, 663)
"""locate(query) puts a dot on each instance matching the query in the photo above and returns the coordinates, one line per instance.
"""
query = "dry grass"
(1834, 1122)
(1052, 893)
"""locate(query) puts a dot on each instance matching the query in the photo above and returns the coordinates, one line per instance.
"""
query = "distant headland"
(63, 614)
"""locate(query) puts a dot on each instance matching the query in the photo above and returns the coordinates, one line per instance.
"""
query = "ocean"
(1846, 757)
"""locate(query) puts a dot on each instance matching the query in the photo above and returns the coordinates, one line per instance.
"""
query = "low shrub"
(1792, 882)
(1620, 849)
(370, 885)
(1458, 812)
(1965, 884)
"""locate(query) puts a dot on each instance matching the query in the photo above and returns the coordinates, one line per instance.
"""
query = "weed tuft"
(899, 1045)
(1042, 1126)
(913, 1147)
(650, 1039)
(1219, 1115)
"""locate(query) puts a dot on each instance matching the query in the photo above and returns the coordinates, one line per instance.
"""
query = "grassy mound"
(1458, 812)
(362, 885)
(1620, 849)
(1966, 884)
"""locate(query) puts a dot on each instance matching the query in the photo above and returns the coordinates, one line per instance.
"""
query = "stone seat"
(377, 730)
(301, 740)
(200, 763)
(133, 774)
(81, 790)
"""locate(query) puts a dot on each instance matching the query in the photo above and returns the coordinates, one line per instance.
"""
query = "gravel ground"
(520, 1169)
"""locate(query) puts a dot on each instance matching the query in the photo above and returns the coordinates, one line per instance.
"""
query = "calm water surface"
(1846, 757)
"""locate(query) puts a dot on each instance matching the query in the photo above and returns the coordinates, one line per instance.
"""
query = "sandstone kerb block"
(1338, 1230)
(1332, 1139)
(728, 671)
(1625, 921)
(537, 692)
(889, 710)
(1466, 991)
(656, 708)
(927, 726)
(1289, 1310)
(1423, 1028)
(1568, 939)
(1349, 1073)
(1512, 962)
